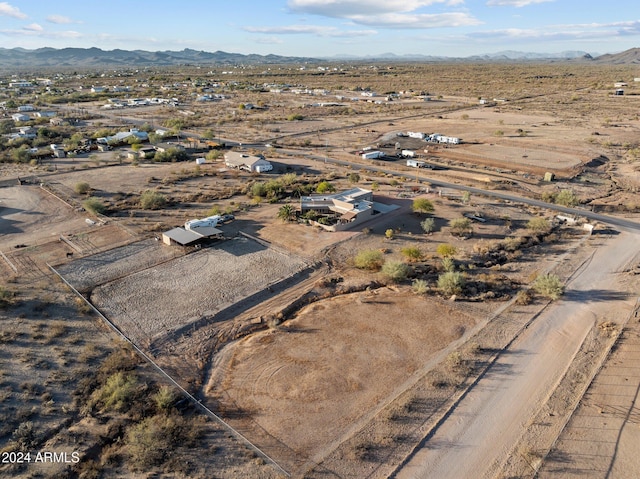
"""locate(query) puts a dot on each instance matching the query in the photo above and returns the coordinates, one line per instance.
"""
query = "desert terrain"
(273, 350)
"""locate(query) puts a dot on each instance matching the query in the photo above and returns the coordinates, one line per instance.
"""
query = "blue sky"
(324, 28)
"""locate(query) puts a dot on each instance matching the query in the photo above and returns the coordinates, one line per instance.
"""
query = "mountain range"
(96, 57)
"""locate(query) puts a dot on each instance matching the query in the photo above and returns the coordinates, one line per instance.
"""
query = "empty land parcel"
(334, 369)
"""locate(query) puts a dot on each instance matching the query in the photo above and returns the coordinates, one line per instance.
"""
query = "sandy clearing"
(491, 418)
(34, 216)
(309, 382)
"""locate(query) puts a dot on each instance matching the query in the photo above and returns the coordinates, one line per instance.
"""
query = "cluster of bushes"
(150, 427)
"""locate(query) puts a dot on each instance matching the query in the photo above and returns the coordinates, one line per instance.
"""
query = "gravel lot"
(87, 273)
(162, 298)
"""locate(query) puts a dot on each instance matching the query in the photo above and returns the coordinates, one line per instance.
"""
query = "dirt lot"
(331, 367)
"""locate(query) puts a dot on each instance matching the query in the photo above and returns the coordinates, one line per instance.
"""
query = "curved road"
(480, 433)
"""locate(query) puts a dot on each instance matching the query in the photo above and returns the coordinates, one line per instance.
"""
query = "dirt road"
(480, 433)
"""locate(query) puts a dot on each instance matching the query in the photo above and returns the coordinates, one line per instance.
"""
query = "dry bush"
(153, 441)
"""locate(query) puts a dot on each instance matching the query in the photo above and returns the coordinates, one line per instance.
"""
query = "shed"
(185, 237)
(180, 236)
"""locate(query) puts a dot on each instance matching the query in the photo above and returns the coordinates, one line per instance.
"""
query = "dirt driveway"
(481, 432)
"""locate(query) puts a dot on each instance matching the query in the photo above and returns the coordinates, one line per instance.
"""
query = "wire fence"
(196, 402)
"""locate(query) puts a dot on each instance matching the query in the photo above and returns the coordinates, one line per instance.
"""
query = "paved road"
(479, 434)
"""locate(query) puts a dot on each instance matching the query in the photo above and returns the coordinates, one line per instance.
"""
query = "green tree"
(567, 198)
(446, 250)
(412, 253)
(259, 189)
(117, 393)
(538, 225)
(370, 259)
(82, 188)
(286, 213)
(451, 282)
(428, 225)
(94, 205)
(422, 205)
(152, 200)
(461, 227)
(549, 286)
(395, 271)
(325, 187)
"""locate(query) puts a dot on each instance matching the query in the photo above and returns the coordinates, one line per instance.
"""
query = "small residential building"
(26, 108)
(146, 153)
(45, 114)
(123, 135)
(20, 84)
(351, 207)
(244, 161)
(20, 117)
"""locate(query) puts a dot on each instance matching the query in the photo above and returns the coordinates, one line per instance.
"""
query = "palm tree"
(286, 213)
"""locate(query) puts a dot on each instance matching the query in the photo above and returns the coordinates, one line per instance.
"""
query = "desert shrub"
(82, 188)
(116, 394)
(512, 243)
(152, 200)
(451, 283)
(94, 205)
(461, 227)
(549, 286)
(523, 297)
(448, 264)
(325, 187)
(165, 398)
(422, 205)
(354, 177)
(152, 441)
(24, 436)
(289, 179)
(428, 225)
(395, 271)
(389, 233)
(566, 198)
(446, 250)
(6, 296)
(419, 286)
(412, 253)
(538, 225)
(368, 259)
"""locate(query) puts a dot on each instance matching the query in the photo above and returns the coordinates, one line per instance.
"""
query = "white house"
(243, 161)
(352, 207)
(26, 108)
(20, 117)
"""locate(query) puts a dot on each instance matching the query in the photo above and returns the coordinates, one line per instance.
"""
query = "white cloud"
(349, 8)
(11, 11)
(318, 30)
(41, 33)
(417, 21)
(567, 32)
(60, 19)
(387, 13)
(34, 27)
(514, 3)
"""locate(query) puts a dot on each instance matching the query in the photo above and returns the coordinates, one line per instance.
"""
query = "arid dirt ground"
(331, 370)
